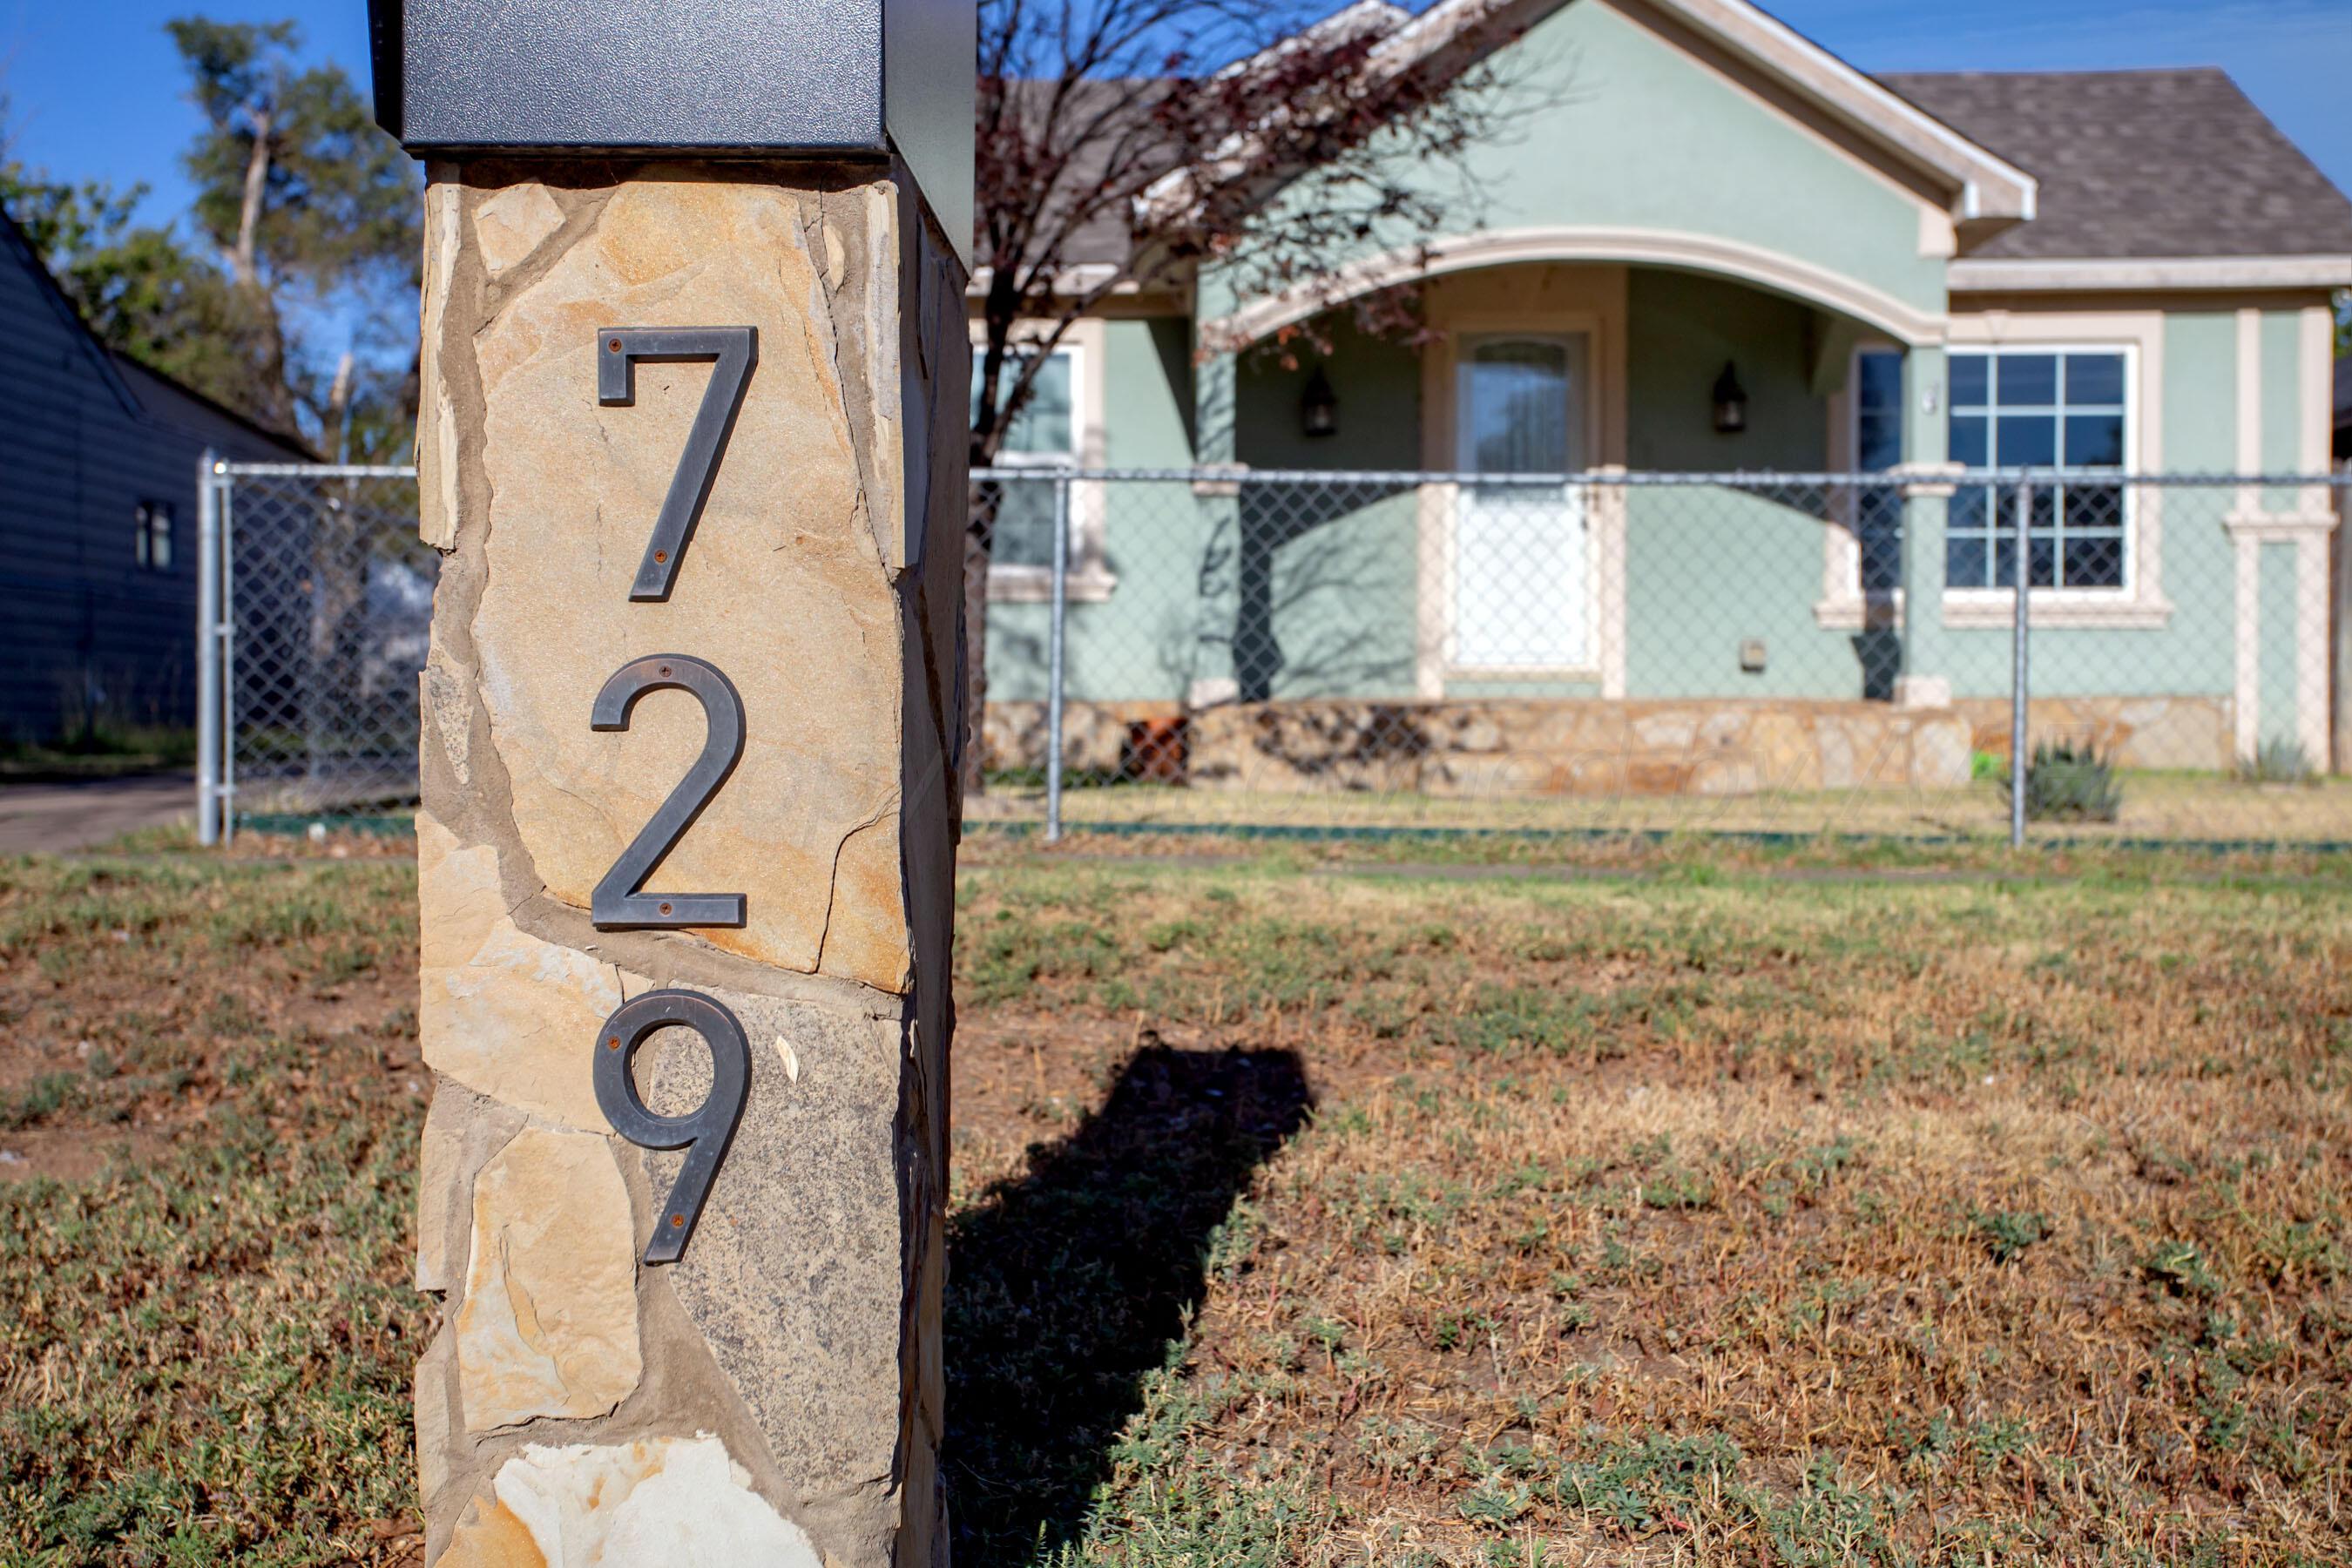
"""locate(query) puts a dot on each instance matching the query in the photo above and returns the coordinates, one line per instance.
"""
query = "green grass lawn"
(1668, 1207)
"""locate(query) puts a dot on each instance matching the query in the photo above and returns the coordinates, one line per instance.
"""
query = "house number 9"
(620, 900)
(705, 1132)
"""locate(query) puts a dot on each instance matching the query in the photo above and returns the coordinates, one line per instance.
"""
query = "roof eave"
(2163, 274)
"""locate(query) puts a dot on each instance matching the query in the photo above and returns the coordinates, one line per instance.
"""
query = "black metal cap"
(831, 78)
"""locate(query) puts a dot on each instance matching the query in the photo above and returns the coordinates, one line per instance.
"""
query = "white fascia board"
(2007, 274)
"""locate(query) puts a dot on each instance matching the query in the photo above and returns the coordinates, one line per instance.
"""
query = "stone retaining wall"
(1519, 747)
(2195, 732)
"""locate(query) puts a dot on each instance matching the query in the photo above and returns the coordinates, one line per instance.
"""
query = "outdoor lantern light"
(1318, 406)
(1730, 401)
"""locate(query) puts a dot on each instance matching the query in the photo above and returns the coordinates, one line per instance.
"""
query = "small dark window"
(151, 536)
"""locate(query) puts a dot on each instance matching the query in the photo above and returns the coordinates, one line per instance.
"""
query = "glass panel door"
(1521, 552)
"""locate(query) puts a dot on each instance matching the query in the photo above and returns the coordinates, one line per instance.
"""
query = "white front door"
(1521, 596)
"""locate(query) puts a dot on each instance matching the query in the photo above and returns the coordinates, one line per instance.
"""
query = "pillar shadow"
(1066, 1285)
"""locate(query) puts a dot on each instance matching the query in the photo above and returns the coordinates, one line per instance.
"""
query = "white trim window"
(2042, 407)
(1044, 436)
(151, 535)
(1062, 427)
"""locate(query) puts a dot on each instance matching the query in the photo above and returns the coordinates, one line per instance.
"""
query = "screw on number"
(619, 898)
(734, 351)
(704, 1132)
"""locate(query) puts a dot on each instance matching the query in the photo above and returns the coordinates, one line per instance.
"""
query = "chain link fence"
(1762, 654)
(1656, 653)
(321, 599)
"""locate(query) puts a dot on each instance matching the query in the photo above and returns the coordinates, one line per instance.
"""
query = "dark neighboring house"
(98, 516)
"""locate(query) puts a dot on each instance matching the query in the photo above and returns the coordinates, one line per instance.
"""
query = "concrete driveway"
(55, 817)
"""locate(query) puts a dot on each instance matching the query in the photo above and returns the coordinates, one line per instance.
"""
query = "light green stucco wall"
(1609, 124)
(2282, 444)
(1136, 645)
(1328, 577)
(1147, 393)
(1707, 568)
(2200, 391)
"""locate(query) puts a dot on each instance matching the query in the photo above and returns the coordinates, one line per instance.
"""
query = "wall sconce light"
(1730, 401)
(1318, 406)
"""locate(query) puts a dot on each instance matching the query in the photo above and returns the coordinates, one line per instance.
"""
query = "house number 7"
(735, 350)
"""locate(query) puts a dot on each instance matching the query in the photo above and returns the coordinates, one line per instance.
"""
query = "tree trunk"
(245, 267)
(334, 435)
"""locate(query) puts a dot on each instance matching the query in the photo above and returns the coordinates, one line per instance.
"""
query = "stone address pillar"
(692, 443)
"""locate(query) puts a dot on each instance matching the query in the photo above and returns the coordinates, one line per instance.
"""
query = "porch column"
(1925, 680)
(692, 446)
(2280, 694)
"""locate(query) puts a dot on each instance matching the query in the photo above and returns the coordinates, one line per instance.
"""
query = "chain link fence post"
(2021, 685)
(209, 646)
(1056, 656)
(225, 794)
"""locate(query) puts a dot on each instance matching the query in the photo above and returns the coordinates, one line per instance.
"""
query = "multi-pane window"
(1043, 435)
(151, 535)
(1878, 447)
(2039, 408)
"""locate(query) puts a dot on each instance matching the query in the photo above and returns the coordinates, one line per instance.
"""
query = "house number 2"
(621, 900)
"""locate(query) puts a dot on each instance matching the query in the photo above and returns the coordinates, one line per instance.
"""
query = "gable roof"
(2140, 165)
(19, 246)
(137, 387)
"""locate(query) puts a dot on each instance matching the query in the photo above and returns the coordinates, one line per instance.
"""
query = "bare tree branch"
(1124, 145)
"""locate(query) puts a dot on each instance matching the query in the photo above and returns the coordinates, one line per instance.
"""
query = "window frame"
(151, 520)
(1090, 578)
(2140, 334)
(1845, 605)
(2125, 530)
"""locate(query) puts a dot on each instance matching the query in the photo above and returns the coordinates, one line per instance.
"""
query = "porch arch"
(1765, 269)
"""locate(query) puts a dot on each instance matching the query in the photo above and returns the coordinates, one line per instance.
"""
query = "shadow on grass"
(1065, 1285)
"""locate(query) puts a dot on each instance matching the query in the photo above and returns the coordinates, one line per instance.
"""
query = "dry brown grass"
(1697, 1208)
(1728, 1224)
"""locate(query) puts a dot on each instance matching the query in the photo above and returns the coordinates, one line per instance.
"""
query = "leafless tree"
(1170, 134)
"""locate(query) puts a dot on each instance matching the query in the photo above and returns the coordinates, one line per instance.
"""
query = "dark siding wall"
(82, 444)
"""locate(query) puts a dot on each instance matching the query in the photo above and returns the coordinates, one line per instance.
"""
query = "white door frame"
(1584, 412)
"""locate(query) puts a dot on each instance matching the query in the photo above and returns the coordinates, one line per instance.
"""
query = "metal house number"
(621, 900)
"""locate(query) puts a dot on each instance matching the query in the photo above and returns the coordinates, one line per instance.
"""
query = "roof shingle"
(2140, 163)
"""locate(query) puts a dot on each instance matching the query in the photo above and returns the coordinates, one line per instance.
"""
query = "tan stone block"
(502, 1012)
(433, 1425)
(437, 422)
(512, 224)
(655, 1503)
(549, 1325)
(1940, 752)
(438, 1165)
(784, 586)
(443, 700)
(1670, 732)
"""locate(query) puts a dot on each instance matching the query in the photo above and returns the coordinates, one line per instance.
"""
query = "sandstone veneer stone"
(668, 1499)
(548, 1324)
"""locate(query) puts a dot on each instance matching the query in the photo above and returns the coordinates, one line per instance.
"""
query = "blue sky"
(97, 92)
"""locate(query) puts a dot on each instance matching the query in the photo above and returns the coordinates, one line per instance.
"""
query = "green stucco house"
(1902, 277)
